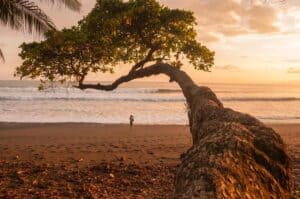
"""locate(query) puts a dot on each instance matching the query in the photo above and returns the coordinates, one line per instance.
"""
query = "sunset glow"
(254, 43)
(150, 99)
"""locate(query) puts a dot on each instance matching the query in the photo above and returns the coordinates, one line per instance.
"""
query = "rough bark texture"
(233, 154)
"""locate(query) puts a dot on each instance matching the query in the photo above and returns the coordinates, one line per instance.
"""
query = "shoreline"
(120, 124)
(18, 125)
(86, 123)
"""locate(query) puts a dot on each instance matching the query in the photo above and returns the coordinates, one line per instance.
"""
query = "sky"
(254, 42)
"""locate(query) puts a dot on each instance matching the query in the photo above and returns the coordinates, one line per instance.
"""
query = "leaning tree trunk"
(233, 154)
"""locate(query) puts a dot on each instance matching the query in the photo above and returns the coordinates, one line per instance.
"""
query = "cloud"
(261, 19)
(293, 3)
(291, 60)
(227, 67)
(294, 70)
(207, 37)
(230, 18)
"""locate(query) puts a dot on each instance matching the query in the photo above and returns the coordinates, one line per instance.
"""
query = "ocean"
(149, 102)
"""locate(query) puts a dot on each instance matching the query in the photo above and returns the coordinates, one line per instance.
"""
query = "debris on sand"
(104, 180)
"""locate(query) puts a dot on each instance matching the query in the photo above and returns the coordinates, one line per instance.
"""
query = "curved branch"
(148, 58)
(185, 82)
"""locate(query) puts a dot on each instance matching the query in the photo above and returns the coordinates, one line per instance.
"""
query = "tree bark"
(233, 155)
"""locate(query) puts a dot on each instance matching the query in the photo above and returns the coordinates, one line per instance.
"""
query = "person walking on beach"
(131, 120)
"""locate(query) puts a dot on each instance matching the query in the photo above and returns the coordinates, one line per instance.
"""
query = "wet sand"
(152, 152)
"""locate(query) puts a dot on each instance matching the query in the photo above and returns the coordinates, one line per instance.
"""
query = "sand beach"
(101, 160)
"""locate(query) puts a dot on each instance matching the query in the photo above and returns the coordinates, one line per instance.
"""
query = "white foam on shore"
(155, 104)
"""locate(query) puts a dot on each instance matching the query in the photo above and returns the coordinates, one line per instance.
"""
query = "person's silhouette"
(131, 120)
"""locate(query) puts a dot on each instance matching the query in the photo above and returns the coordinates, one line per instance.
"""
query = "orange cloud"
(293, 70)
(227, 67)
(261, 19)
(296, 60)
(207, 37)
(230, 18)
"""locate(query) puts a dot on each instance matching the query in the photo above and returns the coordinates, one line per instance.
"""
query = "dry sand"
(110, 161)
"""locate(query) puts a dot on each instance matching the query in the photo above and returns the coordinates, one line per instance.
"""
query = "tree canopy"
(62, 56)
(136, 32)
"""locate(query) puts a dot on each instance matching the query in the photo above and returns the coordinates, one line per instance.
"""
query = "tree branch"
(144, 61)
(184, 81)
